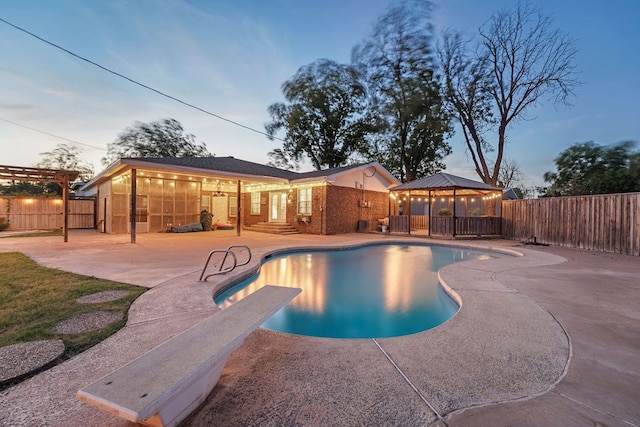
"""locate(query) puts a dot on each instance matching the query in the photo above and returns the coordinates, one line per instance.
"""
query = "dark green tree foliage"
(518, 60)
(25, 188)
(164, 138)
(405, 94)
(588, 168)
(323, 119)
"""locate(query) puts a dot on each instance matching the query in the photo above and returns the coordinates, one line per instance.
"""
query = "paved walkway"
(549, 338)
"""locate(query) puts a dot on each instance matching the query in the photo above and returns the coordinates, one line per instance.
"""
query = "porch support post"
(239, 207)
(133, 204)
(65, 207)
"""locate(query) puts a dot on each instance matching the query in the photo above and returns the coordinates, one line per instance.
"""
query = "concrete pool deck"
(549, 338)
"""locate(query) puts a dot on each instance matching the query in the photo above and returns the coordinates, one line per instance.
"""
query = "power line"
(138, 83)
(50, 134)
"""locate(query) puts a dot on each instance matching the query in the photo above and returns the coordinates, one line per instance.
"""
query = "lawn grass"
(34, 298)
(38, 234)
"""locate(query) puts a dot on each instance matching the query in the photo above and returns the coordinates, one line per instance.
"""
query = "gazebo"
(445, 204)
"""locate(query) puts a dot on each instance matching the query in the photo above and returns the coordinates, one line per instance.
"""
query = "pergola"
(446, 204)
(58, 176)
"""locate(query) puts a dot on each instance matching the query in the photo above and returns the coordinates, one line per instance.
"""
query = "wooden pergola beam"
(57, 176)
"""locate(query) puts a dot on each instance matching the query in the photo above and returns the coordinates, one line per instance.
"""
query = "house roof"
(223, 164)
(233, 168)
(443, 181)
(333, 173)
(509, 194)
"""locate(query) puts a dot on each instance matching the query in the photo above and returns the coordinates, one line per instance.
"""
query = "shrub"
(444, 212)
(3, 224)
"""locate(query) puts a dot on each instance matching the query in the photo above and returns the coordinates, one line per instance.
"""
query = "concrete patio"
(548, 338)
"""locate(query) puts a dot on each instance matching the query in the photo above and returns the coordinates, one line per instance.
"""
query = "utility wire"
(50, 134)
(138, 83)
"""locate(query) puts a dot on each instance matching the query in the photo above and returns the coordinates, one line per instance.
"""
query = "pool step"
(273, 228)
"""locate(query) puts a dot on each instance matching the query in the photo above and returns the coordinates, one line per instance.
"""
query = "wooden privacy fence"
(607, 223)
(46, 213)
(478, 226)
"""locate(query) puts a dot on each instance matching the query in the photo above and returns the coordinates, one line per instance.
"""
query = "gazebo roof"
(444, 181)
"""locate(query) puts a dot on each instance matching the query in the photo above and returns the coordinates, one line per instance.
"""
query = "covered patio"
(445, 205)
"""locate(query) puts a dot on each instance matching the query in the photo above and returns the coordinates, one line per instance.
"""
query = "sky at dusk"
(231, 57)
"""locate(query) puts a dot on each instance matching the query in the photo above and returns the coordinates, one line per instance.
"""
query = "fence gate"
(46, 213)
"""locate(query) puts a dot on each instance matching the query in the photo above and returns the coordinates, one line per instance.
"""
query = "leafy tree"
(164, 138)
(279, 159)
(398, 61)
(67, 157)
(518, 60)
(324, 117)
(588, 168)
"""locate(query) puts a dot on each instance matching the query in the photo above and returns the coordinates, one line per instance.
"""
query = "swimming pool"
(375, 291)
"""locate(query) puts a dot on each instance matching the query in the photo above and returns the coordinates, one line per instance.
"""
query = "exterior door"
(278, 207)
(142, 214)
(220, 209)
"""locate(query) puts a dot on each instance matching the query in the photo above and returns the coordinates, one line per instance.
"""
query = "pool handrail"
(226, 253)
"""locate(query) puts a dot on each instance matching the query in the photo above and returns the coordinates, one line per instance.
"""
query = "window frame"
(304, 205)
(255, 202)
(233, 206)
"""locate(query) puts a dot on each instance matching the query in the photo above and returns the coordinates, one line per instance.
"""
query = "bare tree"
(510, 174)
(519, 60)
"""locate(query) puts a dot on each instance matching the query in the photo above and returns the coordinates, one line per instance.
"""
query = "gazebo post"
(454, 212)
(430, 215)
(409, 212)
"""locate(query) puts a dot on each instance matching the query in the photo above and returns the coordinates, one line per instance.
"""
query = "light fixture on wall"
(218, 193)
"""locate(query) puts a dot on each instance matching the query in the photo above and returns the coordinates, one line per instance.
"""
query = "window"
(233, 206)
(255, 203)
(304, 201)
(205, 203)
(142, 211)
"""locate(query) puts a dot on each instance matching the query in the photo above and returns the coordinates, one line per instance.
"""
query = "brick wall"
(345, 208)
(334, 210)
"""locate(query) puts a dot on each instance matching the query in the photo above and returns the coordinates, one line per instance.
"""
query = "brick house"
(168, 192)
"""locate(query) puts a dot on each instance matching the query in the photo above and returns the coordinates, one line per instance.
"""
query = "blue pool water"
(370, 292)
